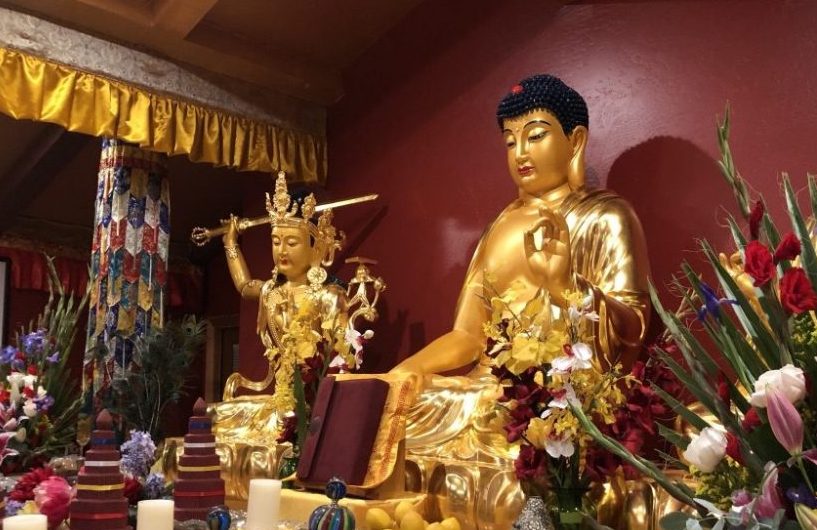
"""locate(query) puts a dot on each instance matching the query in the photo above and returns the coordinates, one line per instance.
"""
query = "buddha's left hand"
(551, 261)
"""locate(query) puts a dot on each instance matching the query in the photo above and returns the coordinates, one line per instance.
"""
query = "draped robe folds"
(456, 418)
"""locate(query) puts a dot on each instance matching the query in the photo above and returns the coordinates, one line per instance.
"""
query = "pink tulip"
(787, 425)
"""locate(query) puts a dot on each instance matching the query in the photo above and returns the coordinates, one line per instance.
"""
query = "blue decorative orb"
(219, 518)
(331, 517)
(335, 489)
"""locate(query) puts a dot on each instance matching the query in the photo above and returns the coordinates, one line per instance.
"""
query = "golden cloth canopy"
(37, 89)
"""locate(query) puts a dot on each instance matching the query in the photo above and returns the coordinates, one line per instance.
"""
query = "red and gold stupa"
(199, 486)
(100, 503)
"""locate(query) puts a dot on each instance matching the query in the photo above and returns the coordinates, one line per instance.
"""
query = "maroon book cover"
(342, 430)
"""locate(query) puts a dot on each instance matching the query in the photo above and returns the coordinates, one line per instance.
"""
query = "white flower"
(20, 436)
(41, 392)
(707, 449)
(789, 381)
(564, 398)
(29, 381)
(578, 358)
(30, 408)
(559, 448)
(355, 339)
(15, 379)
(576, 314)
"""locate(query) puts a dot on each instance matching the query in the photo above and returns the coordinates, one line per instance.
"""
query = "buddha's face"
(291, 251)
(539, 152)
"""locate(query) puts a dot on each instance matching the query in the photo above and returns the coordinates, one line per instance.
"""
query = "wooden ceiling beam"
(180, 17)
(36, 166)
(307, 82)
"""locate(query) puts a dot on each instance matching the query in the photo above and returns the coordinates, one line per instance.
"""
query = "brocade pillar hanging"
(128, 260)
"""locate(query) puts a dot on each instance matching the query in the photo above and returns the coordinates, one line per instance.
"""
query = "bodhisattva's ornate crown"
(283, 211)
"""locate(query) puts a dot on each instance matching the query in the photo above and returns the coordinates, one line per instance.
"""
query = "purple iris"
(53, 358)
(802, 495)
(712, 304)
(7, 354)
(34, 342)
(44, 403)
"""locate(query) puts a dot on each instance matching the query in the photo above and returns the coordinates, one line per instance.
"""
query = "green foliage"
(161, 362)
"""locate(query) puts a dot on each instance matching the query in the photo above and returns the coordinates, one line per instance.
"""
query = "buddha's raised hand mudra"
(556, 235)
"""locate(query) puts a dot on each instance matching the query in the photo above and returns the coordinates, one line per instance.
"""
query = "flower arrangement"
(138, 457)
(311, 347)
(547, 367)
(752, 455)
(41, 491)
(39, 402)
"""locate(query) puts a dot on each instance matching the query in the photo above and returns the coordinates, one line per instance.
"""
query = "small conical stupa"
(199, 486)
(100, 503)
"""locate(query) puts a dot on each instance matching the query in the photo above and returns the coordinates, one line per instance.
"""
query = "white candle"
(26, 522)
(154, 515)
(263, 504)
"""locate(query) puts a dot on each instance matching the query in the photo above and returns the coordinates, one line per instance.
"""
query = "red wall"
(417, 126)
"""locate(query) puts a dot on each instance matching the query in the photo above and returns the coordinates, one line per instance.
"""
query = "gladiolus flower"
(796, 292)
(788, 249)
(758, 263)
(786, 423)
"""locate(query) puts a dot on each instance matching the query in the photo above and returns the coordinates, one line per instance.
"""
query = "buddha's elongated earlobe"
(575, 171)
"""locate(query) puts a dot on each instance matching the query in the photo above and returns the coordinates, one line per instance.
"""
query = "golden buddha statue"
(556, 235)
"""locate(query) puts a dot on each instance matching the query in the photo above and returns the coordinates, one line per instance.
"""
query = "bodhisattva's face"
(291, 251)
(539, 152)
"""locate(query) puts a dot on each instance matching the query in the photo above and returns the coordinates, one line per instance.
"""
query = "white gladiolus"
(789, 381)
(707, 449)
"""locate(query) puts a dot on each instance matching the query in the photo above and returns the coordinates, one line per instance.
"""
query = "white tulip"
(707, 449)
(789, 381)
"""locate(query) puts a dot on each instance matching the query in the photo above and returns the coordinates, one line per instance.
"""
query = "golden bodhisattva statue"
(300, 314)
(556, 235)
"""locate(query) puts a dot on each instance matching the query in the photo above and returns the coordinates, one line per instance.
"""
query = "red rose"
(755, 217)
(788, 249)
(758, 263)
(796, 293)
(32, 369)
(733, 448)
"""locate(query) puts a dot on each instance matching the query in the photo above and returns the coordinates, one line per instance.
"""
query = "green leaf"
(681, 409)
(808, 257)
(675, 521)
(674, 437)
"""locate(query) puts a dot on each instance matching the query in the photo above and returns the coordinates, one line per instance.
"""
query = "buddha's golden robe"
(456, 447)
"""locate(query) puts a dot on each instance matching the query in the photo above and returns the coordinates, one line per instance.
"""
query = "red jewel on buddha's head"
(516, 89)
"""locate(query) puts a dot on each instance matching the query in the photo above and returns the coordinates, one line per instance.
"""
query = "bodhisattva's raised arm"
(246, 286)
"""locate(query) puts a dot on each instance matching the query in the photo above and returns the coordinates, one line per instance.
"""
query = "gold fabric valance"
(37, 89)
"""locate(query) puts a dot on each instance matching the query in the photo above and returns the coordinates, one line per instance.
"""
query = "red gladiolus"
(133, 490)
(788, 249)
(751, 420)
(786, 423)
(758, 263)
(796, 293)
(755, 217)
(723, 389)
(733, 448)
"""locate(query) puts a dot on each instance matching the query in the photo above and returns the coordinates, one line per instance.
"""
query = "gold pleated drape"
(37, 89)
